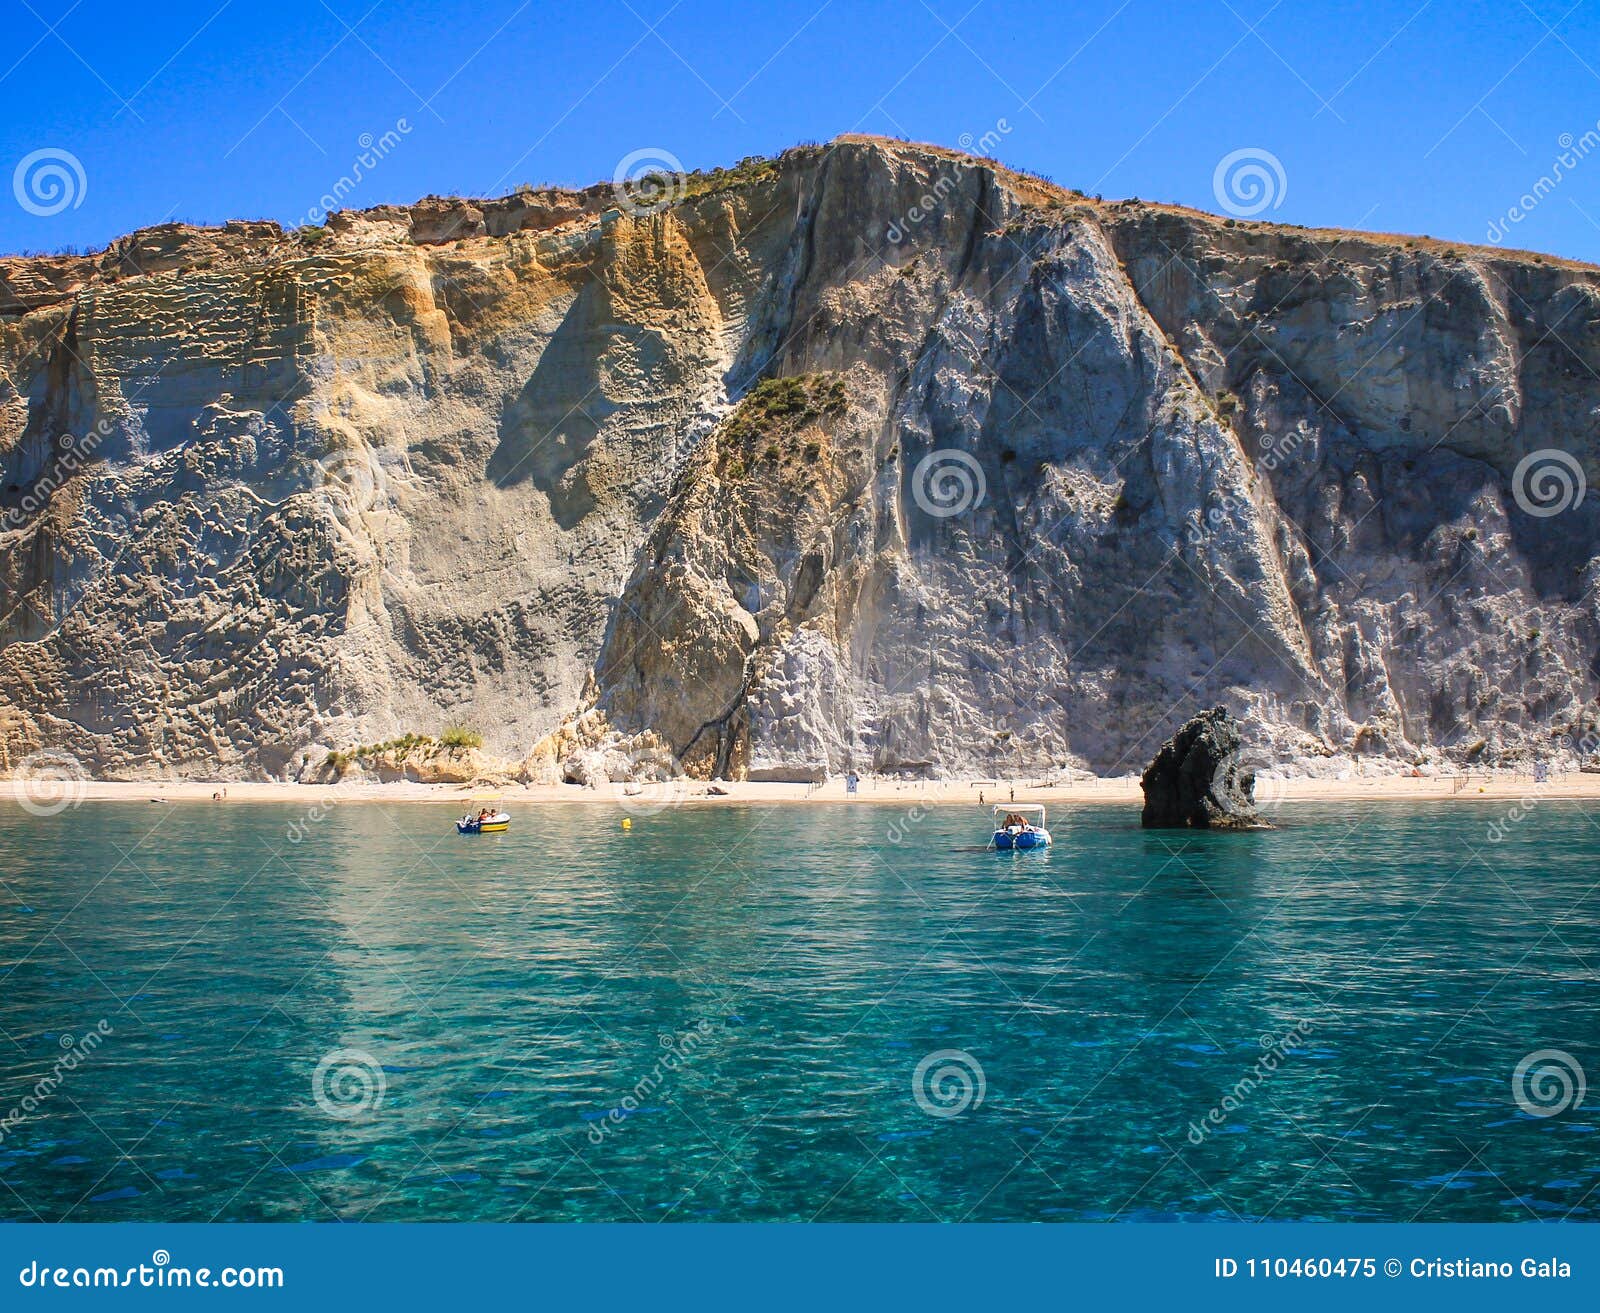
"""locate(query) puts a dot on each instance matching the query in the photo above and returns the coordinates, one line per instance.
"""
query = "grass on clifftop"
(752, 168)
(705, 182)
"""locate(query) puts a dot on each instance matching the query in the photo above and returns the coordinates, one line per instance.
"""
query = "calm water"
(721, 1015)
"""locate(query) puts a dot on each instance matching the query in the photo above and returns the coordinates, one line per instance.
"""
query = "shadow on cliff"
(547, 430)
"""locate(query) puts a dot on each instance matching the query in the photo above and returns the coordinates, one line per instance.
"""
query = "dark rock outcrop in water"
(1195, 780)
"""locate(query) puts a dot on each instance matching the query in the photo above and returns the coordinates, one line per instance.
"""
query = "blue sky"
(1405, 117)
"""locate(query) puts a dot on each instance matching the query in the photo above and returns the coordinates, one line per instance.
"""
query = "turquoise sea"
(834, 1012)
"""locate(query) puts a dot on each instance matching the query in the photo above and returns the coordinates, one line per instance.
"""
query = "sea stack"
(1195, 780)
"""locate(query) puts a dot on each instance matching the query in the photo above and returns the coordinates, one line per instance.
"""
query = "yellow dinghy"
(489, 817)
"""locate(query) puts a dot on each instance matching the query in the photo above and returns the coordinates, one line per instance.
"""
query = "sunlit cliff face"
(773, 479)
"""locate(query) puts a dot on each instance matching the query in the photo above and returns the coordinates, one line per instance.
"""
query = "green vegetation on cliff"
(762, 428)
(453, 738)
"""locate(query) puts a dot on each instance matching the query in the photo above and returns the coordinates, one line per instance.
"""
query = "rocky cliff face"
(873, 455)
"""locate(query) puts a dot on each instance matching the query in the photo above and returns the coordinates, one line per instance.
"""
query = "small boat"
(1020, 825)
(494, 824)
(474, 822)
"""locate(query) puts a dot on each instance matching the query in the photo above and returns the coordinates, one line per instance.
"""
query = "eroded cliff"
(874, 455)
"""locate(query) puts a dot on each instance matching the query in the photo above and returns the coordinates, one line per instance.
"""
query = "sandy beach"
(1479, 786)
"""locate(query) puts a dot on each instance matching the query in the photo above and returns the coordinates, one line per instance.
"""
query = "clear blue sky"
(1406, 116)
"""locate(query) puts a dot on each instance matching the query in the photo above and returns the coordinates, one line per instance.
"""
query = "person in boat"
(1013, 819)
(483, 816)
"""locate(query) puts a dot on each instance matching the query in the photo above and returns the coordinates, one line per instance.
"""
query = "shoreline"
(648, 798)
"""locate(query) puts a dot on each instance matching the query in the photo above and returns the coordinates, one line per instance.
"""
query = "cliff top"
(29, 282)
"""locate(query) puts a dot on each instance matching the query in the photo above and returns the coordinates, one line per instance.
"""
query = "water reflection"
(718, 1013)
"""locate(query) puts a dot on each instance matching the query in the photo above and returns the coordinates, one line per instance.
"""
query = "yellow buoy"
(627, 822)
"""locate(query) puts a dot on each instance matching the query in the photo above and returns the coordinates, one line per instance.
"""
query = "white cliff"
(748, 484)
